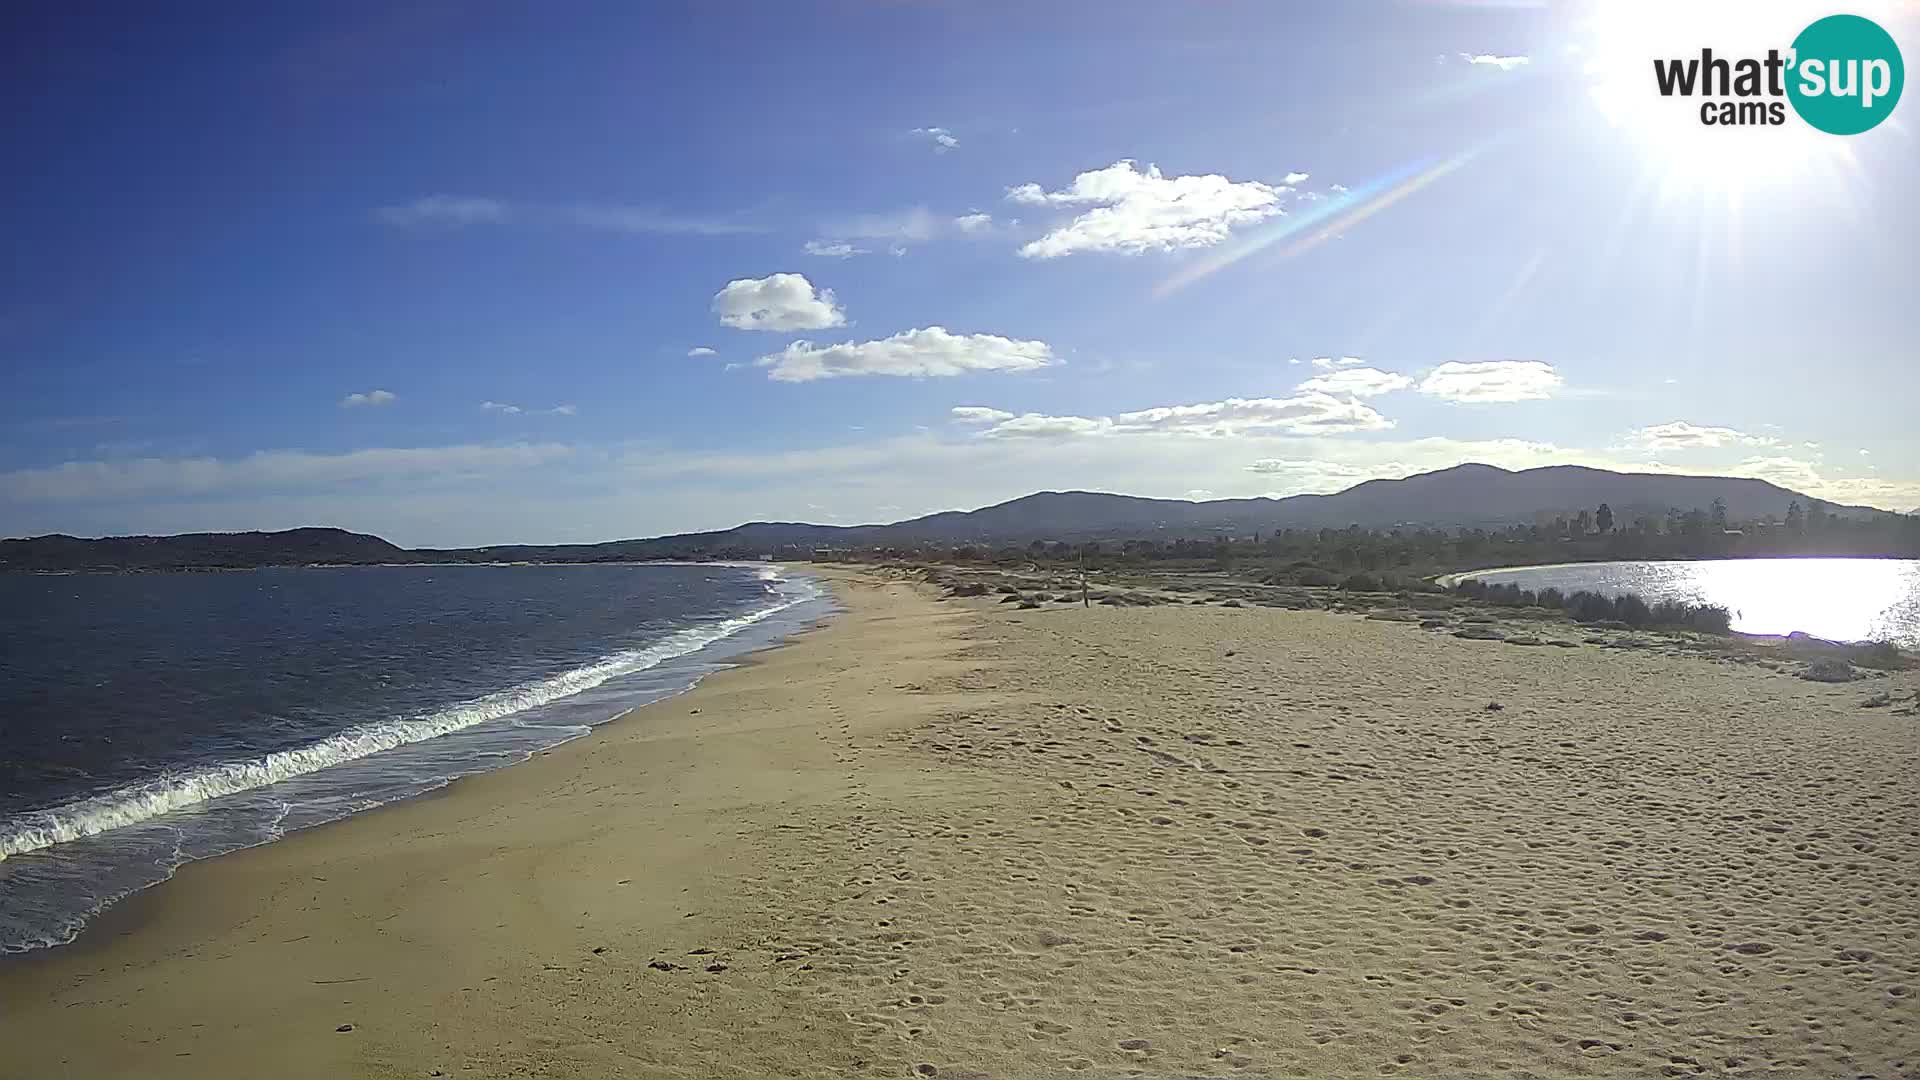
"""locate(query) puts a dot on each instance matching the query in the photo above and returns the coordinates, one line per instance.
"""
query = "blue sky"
(435, 271)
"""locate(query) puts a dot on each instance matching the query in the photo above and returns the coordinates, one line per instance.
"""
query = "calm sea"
(151, 719)
(1838, 599)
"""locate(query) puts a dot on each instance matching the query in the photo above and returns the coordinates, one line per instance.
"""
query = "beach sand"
(950, 838)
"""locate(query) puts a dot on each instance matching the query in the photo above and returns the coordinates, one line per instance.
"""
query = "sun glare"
(1618, 46)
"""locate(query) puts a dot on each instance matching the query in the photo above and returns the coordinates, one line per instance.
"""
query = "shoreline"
(128, 915)
(96, 869)
(162, 935)
(957, 836)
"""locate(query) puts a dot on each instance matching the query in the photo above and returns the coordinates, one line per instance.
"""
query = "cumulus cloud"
(1309, 413)
(971, 223)
(367, 400)
(1492, 380)
(701, 350)
(833, 249)
(1293, 178)
(1504, 63)
(1334, 362)
(1680, 435)
(777, 302)
(979, 414)
(941, 139)
(1131, 212)
(1357, 382)
(929, 352)
(504, 409)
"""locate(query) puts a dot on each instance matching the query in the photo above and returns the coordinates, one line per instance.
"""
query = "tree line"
(1587, 536)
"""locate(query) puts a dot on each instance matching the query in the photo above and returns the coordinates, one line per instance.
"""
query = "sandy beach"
(949, 838)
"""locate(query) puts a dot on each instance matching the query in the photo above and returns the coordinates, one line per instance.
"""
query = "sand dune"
(953, 838)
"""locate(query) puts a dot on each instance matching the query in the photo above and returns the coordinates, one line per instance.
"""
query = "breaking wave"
(39, 829)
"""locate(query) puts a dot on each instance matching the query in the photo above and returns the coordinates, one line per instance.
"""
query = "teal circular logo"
(1847, 74)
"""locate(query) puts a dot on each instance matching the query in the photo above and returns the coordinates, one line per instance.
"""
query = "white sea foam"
(39, 829)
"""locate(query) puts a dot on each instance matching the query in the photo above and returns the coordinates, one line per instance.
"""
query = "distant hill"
(293, 547)
(1466, 495)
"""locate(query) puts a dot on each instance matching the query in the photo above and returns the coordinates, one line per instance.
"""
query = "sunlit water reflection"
(1841, 599)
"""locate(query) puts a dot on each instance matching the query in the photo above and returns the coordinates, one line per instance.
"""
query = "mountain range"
(1470, 495)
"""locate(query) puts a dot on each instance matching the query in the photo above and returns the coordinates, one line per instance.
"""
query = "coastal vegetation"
(1317, 557)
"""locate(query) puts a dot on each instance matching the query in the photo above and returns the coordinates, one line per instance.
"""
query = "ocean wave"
(131, 805)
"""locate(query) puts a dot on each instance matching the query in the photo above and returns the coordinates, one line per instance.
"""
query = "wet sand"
(942, 838)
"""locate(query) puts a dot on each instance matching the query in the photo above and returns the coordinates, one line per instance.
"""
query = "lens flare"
(1322, 221)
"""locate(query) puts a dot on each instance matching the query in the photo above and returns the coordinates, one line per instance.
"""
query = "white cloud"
(847, 236)
(1308, 413)
(940, 137)
(1293, 178)
(1299, 476)
(267, 470)
(1493, 380)
(367, 400)
(701, 350)
(505, 409)
(914, 224)
(1357, 382)
(929, 352)
(1805, 476)
(638, 219)
(777, 302)
(1504, 63)
(1785, 471)
(1680, 435)
(1038, 426)
(833, 249)
(979, 414)
(1133, 212)
(1333, 362)
(461, 210)
(445, 210)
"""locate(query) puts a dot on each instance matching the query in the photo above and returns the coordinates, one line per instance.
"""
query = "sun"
(1617, 45)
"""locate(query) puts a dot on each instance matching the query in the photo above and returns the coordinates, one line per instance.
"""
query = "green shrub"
(1884, 655)
(1632, 610)
(1587, 606)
